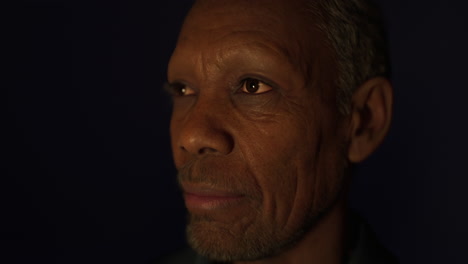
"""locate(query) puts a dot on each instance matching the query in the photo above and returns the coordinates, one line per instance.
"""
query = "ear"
(371, 114)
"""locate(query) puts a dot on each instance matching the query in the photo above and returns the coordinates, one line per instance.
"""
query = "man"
(274, 100)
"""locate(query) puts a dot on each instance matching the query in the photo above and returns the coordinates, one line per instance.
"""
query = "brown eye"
(185, 90)
(254, 86)
(179, 89)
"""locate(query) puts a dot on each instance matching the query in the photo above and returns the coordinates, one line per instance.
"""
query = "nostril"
(206, 151)
(202, 140)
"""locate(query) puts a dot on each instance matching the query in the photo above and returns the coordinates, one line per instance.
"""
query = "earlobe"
(371, 114)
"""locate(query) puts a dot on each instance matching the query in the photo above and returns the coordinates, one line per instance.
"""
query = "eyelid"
(175, 89)
(260, 80)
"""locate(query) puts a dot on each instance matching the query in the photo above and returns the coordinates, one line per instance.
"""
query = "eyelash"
(175, 88)
(260, 82)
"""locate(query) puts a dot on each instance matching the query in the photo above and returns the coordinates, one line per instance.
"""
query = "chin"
(237, 242)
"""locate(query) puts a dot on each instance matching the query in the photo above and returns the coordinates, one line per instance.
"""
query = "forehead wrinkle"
(293, 36)
(213, 20)
(260, 43)
(212, 53)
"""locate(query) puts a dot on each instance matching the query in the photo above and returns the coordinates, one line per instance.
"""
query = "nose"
(202, 131)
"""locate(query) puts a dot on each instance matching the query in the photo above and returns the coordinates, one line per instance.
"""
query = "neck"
(324, 243)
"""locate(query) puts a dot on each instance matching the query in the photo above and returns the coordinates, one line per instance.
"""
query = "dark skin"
(257, 137)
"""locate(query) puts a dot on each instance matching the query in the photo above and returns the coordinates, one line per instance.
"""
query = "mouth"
(204, 198)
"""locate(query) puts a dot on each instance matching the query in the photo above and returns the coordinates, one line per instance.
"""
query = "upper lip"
(207, 190)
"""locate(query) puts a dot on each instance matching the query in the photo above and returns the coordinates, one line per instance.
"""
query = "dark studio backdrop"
(87, 174)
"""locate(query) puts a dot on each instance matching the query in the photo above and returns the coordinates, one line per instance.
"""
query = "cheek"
(294, 160)
(277, 155)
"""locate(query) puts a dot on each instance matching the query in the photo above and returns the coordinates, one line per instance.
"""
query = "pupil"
(252, 85)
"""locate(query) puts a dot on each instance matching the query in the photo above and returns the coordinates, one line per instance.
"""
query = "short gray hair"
(355, 32)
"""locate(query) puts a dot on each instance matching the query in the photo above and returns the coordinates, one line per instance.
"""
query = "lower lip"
(206, 203)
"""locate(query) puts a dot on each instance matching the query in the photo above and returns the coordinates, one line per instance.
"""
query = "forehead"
(274, 16)
(283, 28)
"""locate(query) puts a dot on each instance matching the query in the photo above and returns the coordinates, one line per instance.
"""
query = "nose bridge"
(205, 129)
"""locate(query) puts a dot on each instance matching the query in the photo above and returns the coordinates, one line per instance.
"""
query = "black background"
(87, 174)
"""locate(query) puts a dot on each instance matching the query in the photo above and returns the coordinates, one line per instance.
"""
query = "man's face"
(256, 134)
